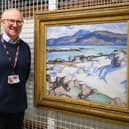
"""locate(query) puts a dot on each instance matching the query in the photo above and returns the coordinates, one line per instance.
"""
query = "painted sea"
(95, 50)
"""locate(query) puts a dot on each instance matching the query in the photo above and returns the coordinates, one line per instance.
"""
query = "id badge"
(13, 79)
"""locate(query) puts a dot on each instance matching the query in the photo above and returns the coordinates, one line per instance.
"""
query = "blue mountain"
(83, 37)
(81, 33)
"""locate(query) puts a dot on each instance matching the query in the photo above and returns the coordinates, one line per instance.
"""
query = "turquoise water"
(84, 50)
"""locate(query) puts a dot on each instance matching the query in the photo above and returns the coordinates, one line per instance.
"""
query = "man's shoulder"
(23, 43)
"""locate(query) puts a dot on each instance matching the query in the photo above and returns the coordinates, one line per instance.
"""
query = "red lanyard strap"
(8, 54)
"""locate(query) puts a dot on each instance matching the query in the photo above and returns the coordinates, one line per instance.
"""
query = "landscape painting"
(81, 62)
(88, 62)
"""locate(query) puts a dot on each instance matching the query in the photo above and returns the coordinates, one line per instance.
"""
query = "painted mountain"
(83, 37)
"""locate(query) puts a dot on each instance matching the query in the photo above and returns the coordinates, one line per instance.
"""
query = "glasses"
(12, 21)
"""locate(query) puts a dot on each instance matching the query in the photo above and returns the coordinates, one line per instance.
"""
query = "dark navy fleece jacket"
(13, 97)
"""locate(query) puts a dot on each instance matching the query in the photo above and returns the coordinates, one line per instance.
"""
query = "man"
(14, 71)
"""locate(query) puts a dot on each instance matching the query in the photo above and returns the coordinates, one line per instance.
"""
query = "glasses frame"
(13, 21)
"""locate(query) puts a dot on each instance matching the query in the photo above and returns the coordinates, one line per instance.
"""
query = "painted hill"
(83, 37)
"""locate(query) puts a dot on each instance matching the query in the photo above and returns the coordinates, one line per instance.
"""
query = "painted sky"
(60, 31)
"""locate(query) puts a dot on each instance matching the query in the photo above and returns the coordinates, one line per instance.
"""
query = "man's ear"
(1, 21)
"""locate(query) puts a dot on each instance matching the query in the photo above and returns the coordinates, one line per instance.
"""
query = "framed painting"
(81, 61)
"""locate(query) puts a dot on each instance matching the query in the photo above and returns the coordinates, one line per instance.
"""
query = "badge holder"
(13, 79)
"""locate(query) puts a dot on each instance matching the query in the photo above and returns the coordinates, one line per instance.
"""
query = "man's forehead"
(12, 13)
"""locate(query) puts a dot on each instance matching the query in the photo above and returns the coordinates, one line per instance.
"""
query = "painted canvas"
(88, 62)
(81, 62)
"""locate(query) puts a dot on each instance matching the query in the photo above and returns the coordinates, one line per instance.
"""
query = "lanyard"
(8, 54)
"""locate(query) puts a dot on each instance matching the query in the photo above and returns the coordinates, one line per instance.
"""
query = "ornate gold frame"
(114, 13)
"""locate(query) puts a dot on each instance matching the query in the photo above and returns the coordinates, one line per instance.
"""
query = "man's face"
(12, 24)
